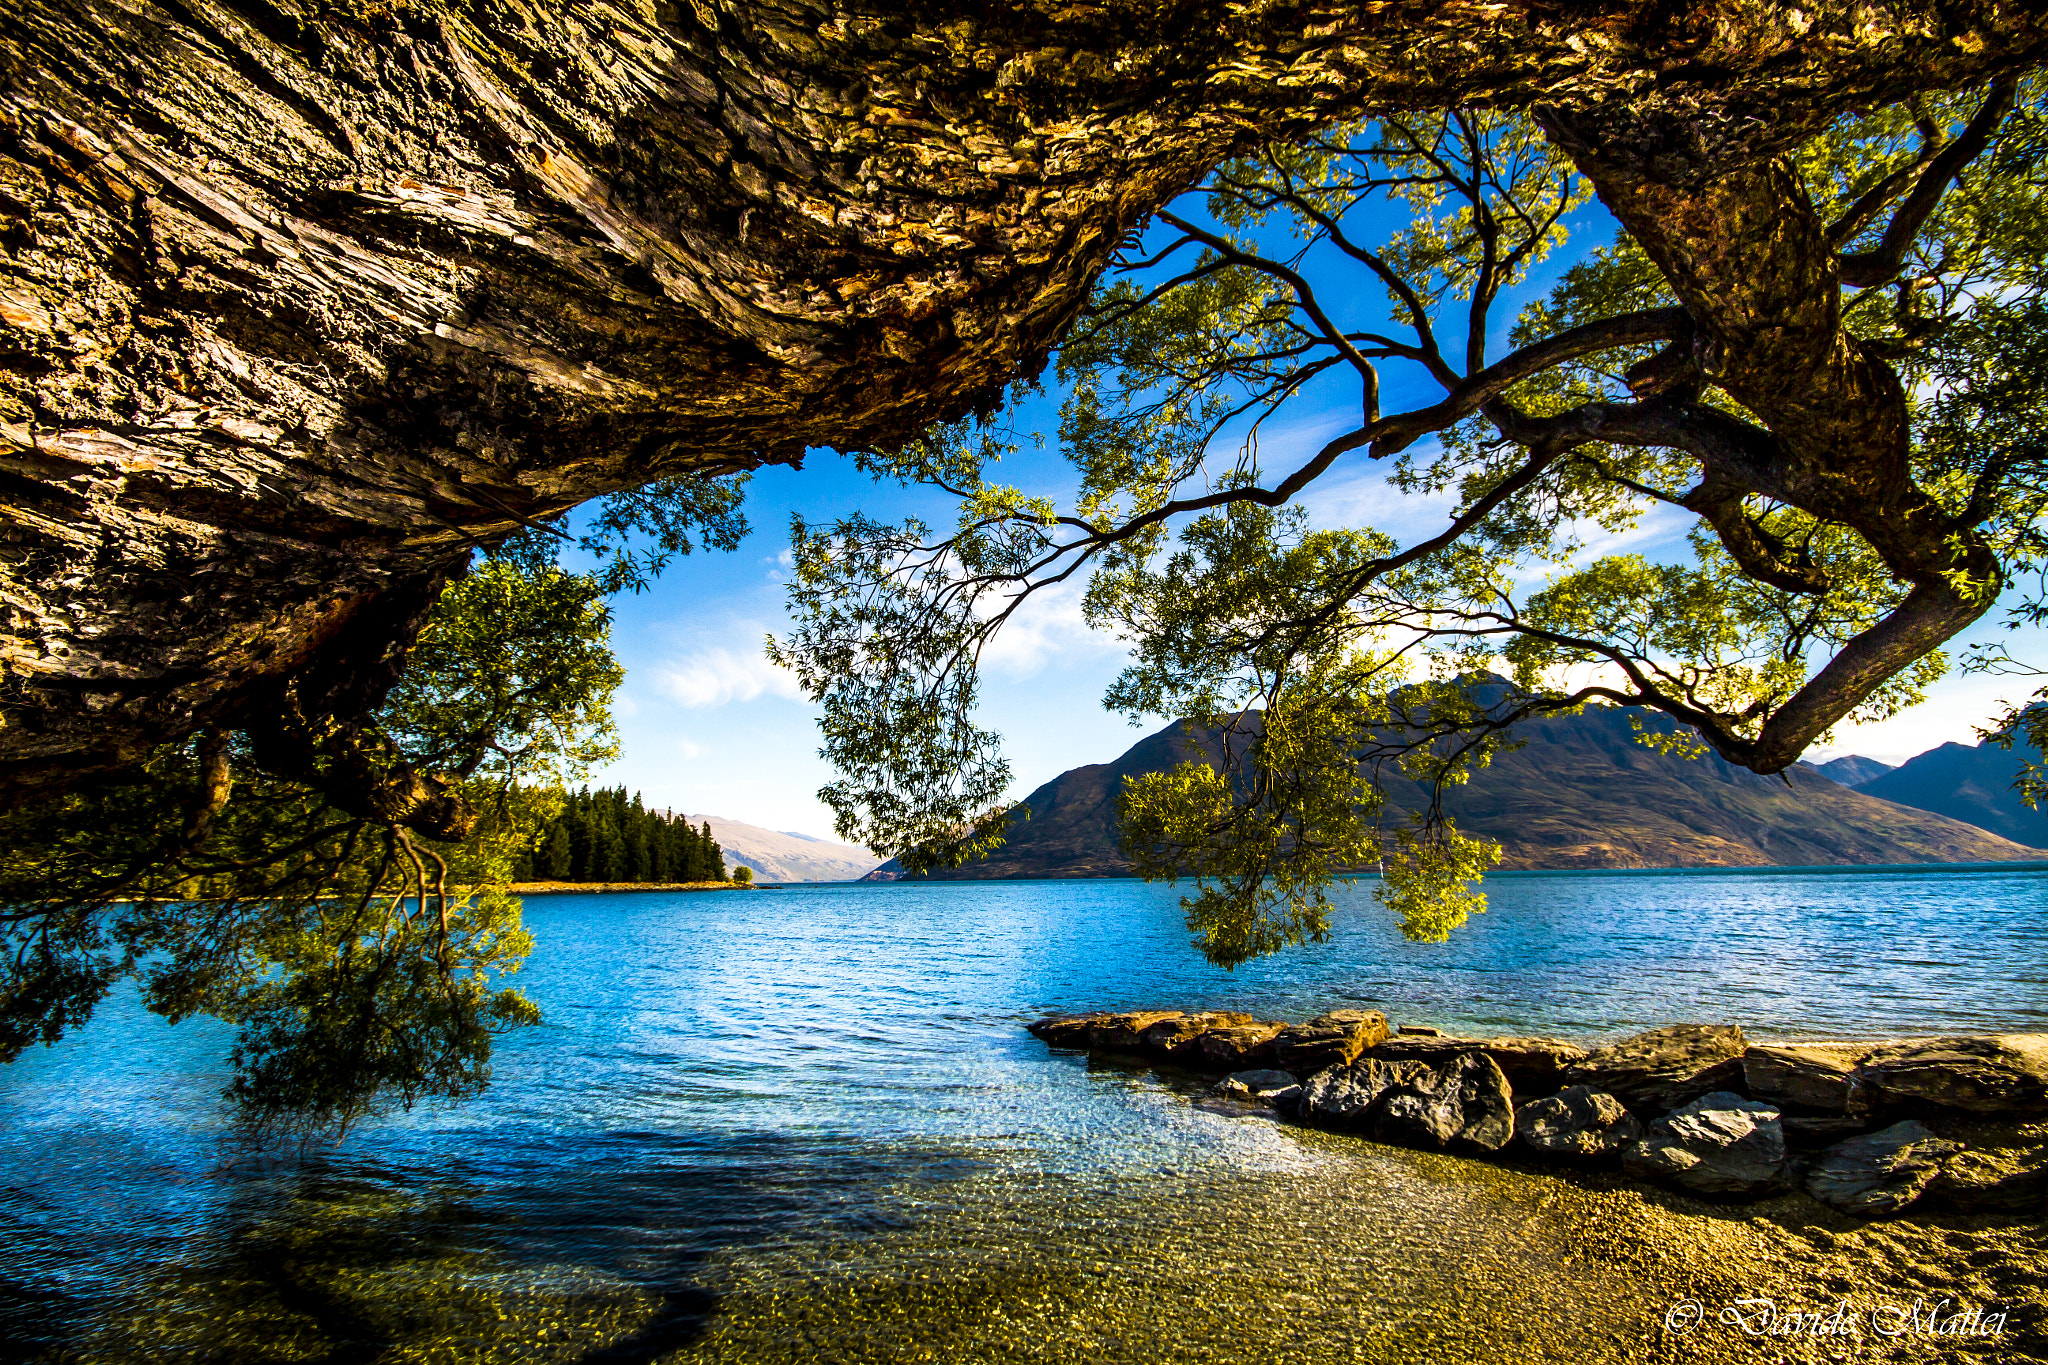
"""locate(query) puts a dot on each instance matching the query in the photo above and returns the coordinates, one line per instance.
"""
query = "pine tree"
(555, 858)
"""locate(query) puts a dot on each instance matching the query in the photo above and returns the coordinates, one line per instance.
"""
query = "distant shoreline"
(556, 888)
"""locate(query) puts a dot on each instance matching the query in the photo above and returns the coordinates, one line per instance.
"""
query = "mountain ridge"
(784, 856)
(1972, 783)
(1582, 792)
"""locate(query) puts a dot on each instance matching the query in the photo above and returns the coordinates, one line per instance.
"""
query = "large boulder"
(1577, 1123)
(1878, 1173)
(1817, 1076)
(1719, 1144)
(1064, 1030)
(1329, 1040)
(1237, 1048)
(1533, 1066)
(1125, 1032)
(1465, 1102)
(1994, 1182)
(1176, 1038)
(1344, 1096)
(1665, 1067)
(2003, 1074)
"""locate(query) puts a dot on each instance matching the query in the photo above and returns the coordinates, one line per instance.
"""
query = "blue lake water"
(805, 1123)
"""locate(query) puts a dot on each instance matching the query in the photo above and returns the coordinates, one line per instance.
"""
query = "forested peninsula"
(602, 836)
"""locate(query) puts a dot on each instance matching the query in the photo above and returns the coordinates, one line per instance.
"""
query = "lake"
(805, 1123)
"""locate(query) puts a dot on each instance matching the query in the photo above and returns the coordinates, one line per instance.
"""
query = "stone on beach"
(1063, 1030)
(1237, 1048)
(1466, 1101)
(1818, 1076)
(1664, 1068)
(2006, 1073)
(1879, 1173)
(1719, 1144)
(1305, 1049)
(1579, 1122)
(1533, 1066)
(1125, 1032)
(1176, 1038)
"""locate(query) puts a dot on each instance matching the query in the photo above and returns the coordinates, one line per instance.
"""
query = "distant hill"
(1852, 770)
(1580, 793)
(784, 856)
(1965, 782)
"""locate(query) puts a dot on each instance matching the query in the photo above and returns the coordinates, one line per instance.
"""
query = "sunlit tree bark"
(299, 304)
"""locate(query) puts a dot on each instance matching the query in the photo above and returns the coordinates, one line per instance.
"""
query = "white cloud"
(717, 676)
(1048, 627)
(689, 748)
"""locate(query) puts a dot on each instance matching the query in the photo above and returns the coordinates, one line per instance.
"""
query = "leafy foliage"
(1328, 653)
(362, 963)
(636, 533)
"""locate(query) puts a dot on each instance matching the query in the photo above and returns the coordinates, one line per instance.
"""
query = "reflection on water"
(804, 1125)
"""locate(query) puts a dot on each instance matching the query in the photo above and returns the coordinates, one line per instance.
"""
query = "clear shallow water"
(805, 1124)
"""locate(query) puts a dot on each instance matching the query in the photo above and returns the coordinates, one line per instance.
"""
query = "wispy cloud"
(717, 676)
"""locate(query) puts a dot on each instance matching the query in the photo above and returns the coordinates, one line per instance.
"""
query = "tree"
(302, 308)
(1829, 360)
(363, 964)
(554, 863)
(743, 875)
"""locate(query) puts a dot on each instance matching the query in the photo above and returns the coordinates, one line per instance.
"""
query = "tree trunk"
(301, 304)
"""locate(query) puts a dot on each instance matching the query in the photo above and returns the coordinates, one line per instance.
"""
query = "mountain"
(782, 856)
(1582, 792)
(1965, 782)
(1852, 770)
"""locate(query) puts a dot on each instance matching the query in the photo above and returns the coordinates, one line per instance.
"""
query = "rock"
(1273, 1089)
(1125, 1032)
(1578, 1123)
(1064, 1030)
(1809, 1075)
(1465, 1102)
(1176, 1038)
(1665, 1067)
(1341, 1018)
(1305, 1049)
(1878, 1173)
(1238, 1047)
(2003, 1074)
(1719, 1144)
(1533, 1066)
(1809, 1132)
(1344, 1096)
(1420, 1031)
(1994, 1182)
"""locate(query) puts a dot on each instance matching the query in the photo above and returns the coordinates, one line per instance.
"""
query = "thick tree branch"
(1865, 269)
(299, 312)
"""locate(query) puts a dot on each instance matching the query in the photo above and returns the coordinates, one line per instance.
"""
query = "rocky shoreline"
(1867, 1128)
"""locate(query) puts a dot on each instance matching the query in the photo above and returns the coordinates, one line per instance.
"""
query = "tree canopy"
(361, 962)
(1828, 360)
(300, 308)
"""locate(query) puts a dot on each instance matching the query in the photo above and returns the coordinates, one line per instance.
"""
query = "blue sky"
(709, 726)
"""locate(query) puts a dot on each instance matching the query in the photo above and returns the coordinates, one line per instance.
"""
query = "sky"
(709, 726)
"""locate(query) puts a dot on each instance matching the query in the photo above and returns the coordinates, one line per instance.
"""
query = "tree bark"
(1760, 279)
(303, 303)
